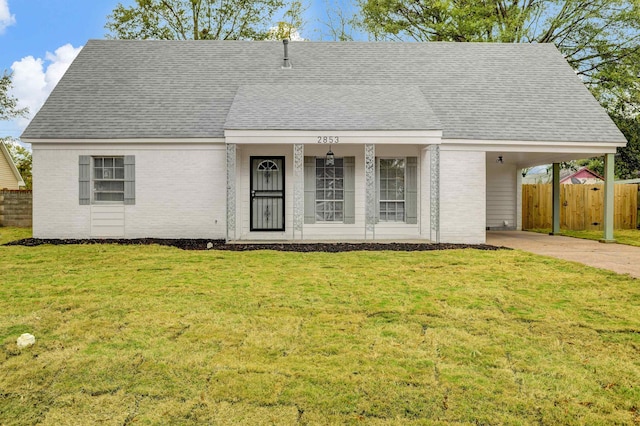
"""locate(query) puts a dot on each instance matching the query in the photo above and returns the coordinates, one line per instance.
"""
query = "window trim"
(93, 180)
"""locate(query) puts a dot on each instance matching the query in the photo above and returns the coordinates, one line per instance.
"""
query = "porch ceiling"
(531, 159)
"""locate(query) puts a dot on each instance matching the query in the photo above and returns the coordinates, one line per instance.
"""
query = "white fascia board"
(12, 165)
(125, 141)
(104, 148)
(268, 137)
(530, 146)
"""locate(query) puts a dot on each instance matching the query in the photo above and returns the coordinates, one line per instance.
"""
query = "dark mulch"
(201, 244)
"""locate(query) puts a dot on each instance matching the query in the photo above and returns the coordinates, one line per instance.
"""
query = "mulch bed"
(202, 244)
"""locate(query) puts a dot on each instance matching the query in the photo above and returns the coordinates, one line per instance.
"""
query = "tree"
(291, 24)
(21, 158)
(627, 163)
(599, 38)
(9, 110)
(9, 104)
(193, 19)
(340, 21)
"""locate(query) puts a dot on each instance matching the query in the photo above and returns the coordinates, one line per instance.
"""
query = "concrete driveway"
(619, 258)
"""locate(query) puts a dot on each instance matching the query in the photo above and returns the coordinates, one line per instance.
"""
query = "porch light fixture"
(499, 160)
(329, 160)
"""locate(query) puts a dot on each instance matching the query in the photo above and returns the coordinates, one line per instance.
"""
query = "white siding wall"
(462, 196)
(501, 194)
(108, 220)
(180, 191)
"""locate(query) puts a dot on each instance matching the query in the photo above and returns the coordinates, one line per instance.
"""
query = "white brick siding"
(462, 196)
(180, 191)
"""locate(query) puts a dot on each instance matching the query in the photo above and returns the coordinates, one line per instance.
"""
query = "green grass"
(156, 335)
(13, 234)
(629, 237)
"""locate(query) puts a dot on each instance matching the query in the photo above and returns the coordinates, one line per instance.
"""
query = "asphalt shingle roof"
(325, 107)
(186, 89)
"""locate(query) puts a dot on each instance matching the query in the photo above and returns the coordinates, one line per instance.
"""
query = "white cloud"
(278, 32)
(6, 18)
(34, 78)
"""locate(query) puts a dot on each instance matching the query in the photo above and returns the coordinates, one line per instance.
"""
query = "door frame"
(284, 180)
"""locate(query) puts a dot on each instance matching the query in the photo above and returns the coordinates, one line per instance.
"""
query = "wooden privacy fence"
(581, 206)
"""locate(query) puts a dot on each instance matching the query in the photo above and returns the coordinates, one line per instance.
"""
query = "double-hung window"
(108, 179)
(329, 190)
(392, 191)
(329, 205)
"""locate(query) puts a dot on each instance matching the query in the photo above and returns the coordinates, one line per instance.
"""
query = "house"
(9, 175)
(260, 140)
(581, 176)
(567, 176)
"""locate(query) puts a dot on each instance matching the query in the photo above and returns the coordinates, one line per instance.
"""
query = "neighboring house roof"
(6, 162)
(566, 176)
(185, 89)
(578, 176)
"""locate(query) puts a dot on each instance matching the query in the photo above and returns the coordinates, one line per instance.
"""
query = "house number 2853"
(328, 139)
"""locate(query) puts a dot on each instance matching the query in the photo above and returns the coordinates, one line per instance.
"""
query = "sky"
(40, 38)
(38, 41)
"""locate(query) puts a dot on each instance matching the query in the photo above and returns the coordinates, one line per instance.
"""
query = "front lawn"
(12, 234)
(155, 335)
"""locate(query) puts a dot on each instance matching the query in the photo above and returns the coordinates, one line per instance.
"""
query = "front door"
(267, 193)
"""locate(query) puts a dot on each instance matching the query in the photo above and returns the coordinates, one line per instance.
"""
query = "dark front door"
(267, 193)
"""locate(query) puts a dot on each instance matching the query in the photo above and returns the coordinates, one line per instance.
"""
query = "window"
(329, 191)
(392, 189)
(108, 179)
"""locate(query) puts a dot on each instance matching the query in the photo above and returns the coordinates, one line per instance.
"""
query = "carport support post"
(609, 189)
(555, 230)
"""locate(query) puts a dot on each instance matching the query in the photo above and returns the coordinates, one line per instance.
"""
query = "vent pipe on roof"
(287, 63)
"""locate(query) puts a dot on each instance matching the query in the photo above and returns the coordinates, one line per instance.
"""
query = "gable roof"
(344, 107)
(582, 172)
(186, 89)
(566, 176)
(11, 164)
